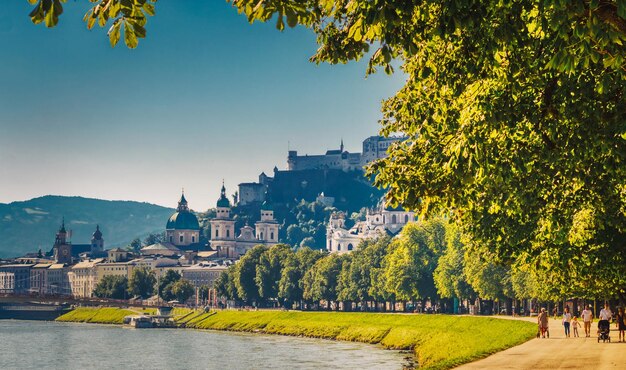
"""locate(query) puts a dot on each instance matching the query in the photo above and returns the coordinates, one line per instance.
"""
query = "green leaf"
(149, 8)
(114, 32)
(129, 35)
(51, 17)
(280, 24)
(140, 31)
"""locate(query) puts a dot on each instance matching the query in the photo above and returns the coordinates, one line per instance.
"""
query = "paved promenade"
(559, 352)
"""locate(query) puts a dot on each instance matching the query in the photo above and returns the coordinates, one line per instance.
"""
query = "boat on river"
(149, 321)
(138, 321)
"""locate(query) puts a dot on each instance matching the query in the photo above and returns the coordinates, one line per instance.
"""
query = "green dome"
(223, 202)
(266, 206)
(183, 220)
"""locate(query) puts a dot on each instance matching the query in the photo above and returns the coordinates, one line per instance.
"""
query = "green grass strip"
(104, 315)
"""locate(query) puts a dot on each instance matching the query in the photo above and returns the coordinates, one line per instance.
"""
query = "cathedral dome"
(183, 220)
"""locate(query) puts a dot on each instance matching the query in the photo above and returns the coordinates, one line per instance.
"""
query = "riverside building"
(379, 221)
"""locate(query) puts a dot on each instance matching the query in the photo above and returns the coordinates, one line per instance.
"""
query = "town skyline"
(198, 110)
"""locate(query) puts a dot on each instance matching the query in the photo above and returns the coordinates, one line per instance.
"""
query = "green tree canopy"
(291, 284)
(141, 282)
(449, 275)
(515, 114)
(111, 286)
(269, 268)
(166, 285)
(182, 290)
(320, 281)
(225, 284)
(245, 274)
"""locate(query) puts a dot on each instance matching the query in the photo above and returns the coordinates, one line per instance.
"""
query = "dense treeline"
(426, 262)
(143, 284)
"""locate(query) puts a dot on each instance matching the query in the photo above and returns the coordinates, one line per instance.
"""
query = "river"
(40, 344)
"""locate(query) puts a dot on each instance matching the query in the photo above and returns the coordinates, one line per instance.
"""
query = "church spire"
(182, 203)
(223, 200)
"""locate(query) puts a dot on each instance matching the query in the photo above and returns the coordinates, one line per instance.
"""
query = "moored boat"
(138, 321)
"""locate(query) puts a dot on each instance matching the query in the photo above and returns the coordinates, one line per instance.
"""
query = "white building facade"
(378, 222)
(227, 243)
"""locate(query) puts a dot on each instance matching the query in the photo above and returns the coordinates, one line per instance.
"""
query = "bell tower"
(223, 228)
(62, 249)
(97, 243)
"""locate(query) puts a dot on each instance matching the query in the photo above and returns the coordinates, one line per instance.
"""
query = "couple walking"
(568, 321)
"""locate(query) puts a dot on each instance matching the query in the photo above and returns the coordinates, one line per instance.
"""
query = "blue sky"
(205, 97)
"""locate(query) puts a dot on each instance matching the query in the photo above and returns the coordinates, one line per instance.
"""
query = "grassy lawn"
(104, 315)
(439, 341)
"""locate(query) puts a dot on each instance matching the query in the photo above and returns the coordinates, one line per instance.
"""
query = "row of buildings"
(76, 269)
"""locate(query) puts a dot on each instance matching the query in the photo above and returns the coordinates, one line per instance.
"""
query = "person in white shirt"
(605, 317)
(567, 317)
(605, 313)
(587, 316)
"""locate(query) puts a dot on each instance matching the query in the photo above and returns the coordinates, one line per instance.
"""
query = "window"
(338, 247)
(227, 233)
(181, 238)
(272, 236)
(406, 219)
(171, 239)
(393, 219)
(193, 238)
(217, 233)
(261, 235)
(349, 247)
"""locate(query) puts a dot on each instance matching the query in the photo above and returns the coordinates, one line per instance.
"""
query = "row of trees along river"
(426, 262)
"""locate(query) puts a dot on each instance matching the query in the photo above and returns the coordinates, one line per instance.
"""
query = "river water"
(40, 344)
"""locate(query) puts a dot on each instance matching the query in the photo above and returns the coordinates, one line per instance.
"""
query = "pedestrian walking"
(587, 316)
(621, 323)
(605, 317)
(575, 326)
(555, 312)
(567, 318)
(542, 322)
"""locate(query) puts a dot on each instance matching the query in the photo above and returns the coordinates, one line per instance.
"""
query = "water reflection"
(31, 345)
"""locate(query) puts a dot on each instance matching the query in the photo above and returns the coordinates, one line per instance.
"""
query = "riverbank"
(438, 341)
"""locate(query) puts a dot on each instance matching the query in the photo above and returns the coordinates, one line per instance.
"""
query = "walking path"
(559, 352)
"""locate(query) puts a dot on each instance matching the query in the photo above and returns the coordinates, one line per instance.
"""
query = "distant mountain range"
(29, 225)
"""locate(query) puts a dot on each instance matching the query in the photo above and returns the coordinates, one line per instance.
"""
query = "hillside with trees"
(30, 225)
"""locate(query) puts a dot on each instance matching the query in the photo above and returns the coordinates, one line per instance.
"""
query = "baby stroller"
(604, 330)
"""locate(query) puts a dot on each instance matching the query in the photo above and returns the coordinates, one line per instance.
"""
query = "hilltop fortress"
(336, 175)
(374, 147)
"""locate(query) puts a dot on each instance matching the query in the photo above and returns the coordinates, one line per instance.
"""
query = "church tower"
(267, 227)
(97, 243)
(223, 228)
(62, 249)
